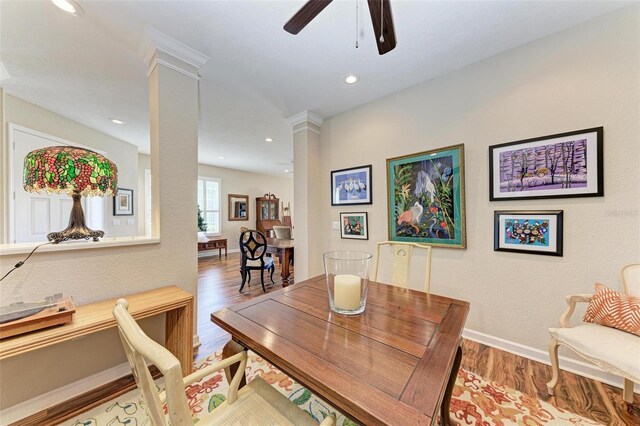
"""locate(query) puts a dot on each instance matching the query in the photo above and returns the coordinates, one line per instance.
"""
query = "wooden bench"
(216, 243)
(175, 302)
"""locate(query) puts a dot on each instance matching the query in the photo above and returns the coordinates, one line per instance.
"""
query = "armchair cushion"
(612, 350)
(612, 309)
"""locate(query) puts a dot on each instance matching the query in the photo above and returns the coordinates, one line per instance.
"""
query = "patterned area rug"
(474, 401)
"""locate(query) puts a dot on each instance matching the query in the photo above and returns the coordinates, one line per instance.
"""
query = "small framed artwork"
(355, 226)
(562, 165)
(351, 186)
(528, 231)
(426, 197)
(123, 202)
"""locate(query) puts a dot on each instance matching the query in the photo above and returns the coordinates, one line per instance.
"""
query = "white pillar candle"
(346, 291)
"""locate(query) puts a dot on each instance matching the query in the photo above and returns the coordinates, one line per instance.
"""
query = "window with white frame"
(209, 194)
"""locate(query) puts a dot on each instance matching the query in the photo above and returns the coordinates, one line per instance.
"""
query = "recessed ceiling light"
(221, 157)
(69, 6)
(286, 170)
(268, 140)
(351, 79)
(116, 121)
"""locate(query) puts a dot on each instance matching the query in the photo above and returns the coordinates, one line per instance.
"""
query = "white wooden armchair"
(255, 404)
(614, 351)
(402, 254)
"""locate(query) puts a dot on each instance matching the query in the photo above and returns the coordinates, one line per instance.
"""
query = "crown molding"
(158, 48)
(305, 117)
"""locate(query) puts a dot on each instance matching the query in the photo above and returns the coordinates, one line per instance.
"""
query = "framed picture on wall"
(528, 231)
(562, 165)
(351, 186)
(426, 197)
(354, 226)
(123, 202)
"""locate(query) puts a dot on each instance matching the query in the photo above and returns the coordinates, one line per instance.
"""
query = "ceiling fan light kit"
(381, 18)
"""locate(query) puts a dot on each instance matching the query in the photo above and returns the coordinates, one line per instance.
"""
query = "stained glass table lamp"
(78, 172)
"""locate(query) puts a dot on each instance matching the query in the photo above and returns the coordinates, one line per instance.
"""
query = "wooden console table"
(216, 243)
(175, 302)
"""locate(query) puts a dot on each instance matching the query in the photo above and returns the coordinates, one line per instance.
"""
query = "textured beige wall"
(123, 154)
(584, 77)
(93, 275)
(233, 182)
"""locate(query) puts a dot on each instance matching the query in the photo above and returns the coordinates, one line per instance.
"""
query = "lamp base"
(77, 229)
(74, 234)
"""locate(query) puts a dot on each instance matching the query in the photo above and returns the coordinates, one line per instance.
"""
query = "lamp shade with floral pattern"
(69, 169)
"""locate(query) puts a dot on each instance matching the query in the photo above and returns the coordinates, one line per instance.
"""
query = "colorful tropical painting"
(426, 197)
(535, 231)
(351, 186)
(558, 165)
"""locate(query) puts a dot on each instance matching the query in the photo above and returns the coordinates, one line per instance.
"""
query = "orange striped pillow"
(612, 309)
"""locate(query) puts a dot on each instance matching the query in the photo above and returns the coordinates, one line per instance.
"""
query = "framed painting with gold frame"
(426, 197)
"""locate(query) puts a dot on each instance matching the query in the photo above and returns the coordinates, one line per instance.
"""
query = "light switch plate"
(116, 222)
(129, 221)
(336, 224)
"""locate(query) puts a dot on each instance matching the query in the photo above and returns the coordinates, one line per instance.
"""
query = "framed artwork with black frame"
(351, 186)
(528, 231)
(555, 166)
(354, 226)
(123, 202)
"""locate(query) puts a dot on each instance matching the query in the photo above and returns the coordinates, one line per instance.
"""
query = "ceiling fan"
(381, 18)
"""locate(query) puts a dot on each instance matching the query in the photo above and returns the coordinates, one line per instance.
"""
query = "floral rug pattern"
(474, 402)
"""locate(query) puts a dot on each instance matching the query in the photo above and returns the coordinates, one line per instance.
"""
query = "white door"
(32, 215)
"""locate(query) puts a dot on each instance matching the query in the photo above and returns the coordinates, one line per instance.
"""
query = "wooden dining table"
(394, 364)
(283, 249)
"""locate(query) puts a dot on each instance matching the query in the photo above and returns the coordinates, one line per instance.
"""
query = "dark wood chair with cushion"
(253, 247)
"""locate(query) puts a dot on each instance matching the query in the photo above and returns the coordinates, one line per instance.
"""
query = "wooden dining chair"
(402, 254)
(257, 403)
(253, 248)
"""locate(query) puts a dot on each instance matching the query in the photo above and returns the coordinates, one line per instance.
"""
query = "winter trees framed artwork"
(351, 186)
(534, 231)
(426, 197)
(563, 165)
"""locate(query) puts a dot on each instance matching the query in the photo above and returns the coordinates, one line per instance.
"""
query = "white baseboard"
(214, 252)
(20, 411)
(576, 366)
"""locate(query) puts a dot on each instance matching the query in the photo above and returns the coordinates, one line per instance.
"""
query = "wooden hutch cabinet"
(267, 214)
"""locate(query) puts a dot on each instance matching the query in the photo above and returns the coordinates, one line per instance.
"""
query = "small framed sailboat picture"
(351, 186)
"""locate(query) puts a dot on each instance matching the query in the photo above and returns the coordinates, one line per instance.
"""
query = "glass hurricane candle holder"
(347, 276)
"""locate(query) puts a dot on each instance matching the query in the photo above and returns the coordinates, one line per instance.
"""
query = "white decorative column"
(307, 184)
(173, 113)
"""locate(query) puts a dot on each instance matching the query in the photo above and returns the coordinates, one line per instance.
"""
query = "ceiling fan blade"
(389, 32)
(310, 10)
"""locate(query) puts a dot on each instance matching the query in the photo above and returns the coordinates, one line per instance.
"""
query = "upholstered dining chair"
(253, 248)
(614, 351)
(257, 403)
(402, 253)
(282, 232)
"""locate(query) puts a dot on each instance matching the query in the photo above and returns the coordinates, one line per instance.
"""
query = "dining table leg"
(230, 349)
(286, 260)
(445, 416)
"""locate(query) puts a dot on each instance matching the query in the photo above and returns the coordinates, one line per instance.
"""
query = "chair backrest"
(402, 253)
(141, 349)
(253, 244)
(631, 279)
(282, 232)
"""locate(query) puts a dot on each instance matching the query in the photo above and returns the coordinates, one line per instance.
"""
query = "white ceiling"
(88, 68)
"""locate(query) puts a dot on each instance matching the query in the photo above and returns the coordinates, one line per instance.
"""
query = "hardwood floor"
(219, 281)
